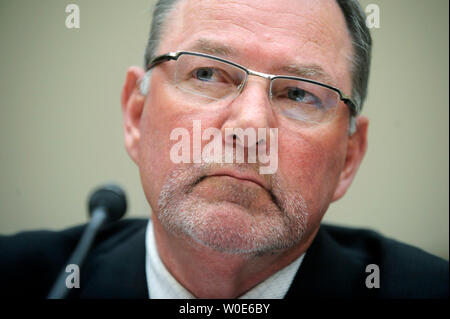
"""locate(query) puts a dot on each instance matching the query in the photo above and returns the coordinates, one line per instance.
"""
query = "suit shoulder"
(37, 245)
(49, 244)
(405, 271)
(33, 259)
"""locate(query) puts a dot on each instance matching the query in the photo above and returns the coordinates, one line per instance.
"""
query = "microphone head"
(112, 198)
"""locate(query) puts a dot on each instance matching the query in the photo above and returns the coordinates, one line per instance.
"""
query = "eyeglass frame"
(353, 107)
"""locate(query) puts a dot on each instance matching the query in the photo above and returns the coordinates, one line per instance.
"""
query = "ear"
(356, 148)
(132, 107)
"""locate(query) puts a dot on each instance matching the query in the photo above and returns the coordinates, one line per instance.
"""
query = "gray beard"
(277, 226)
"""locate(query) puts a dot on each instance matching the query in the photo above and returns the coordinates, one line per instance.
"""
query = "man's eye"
(297, 94)
(204, 74)
(302, 96)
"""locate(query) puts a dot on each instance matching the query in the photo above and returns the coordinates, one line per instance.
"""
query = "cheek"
(153, 158)
(311, 164)
(163, 113)
(156, 124)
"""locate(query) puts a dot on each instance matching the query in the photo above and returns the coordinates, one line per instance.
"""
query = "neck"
(207, 273)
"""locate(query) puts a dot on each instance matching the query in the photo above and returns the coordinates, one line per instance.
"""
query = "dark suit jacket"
(334, 265)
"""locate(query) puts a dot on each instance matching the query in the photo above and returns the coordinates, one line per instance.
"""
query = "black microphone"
(106, 204)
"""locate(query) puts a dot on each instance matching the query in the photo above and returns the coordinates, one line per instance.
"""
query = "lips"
(244, 176)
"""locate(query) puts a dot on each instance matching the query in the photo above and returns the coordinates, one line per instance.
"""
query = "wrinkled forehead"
(254, 31)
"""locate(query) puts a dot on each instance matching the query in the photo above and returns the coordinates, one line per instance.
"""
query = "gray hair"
(356, 25)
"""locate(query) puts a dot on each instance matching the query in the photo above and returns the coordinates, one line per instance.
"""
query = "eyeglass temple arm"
(354, 108)
(143, 83)
(354, 112)
(162, 58)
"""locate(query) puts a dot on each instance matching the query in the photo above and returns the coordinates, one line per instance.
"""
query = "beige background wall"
(61, 131)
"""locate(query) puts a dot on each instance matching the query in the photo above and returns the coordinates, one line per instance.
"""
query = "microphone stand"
(98, 218)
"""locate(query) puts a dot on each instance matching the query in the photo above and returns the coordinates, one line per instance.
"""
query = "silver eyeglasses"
(209, 78)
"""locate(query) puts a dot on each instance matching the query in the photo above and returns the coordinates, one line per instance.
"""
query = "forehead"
(264, 34)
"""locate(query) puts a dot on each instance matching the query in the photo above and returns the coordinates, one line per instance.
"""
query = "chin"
(230, 228)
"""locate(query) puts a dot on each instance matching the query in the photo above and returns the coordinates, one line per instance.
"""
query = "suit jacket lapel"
(119, 272)
(329, 271)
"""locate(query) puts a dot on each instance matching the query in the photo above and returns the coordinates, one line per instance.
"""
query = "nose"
(250, 110)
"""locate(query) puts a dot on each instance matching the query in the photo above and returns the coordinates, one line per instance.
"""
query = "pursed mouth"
(237, 178)
(242, 176)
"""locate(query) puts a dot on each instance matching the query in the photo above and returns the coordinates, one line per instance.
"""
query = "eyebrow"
(308, 71)
(213, 48)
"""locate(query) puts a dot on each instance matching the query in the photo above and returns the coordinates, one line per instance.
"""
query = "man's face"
(217, 205)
